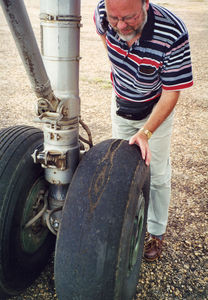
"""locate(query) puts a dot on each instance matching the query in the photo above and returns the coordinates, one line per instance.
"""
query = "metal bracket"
(50, 159)
(60, 18)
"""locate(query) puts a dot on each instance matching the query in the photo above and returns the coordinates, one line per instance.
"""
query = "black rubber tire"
(23, 252)
(104, 219)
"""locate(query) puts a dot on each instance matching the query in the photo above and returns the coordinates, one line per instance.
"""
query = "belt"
(130, 116)
(141, 111)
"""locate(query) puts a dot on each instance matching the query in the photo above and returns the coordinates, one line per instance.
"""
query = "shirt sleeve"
(177, 70)
(100, 18)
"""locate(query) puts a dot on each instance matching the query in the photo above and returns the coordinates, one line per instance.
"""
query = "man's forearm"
(103, 38)
(160, 112)
(162, 109)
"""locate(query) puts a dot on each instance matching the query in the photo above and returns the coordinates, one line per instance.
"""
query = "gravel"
(181, 273)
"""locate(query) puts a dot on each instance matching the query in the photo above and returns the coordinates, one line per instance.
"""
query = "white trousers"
(160, 168)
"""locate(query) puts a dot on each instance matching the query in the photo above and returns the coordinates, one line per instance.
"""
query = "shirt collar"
(147, 32)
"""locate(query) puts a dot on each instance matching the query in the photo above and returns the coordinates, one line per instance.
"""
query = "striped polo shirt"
(159, 59)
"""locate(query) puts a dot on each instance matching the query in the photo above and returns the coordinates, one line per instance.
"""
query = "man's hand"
(141, 140)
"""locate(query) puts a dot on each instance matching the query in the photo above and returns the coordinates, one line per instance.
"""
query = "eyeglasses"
(127, 19)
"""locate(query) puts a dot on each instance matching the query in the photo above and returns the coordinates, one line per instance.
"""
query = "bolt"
(56, 224)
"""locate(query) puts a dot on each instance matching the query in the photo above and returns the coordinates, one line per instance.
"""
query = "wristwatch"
(146, 132)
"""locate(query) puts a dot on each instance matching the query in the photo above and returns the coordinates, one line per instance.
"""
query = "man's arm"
(103, 38)
(160, 112)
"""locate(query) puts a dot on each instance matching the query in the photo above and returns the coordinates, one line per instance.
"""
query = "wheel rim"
(33, 237)
(135, 243)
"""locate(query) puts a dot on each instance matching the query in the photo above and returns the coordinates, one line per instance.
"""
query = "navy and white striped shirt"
(160, 59)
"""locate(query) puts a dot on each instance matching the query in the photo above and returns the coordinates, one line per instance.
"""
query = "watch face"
(148, 133)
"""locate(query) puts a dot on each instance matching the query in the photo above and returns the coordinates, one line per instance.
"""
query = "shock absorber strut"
(60, 36)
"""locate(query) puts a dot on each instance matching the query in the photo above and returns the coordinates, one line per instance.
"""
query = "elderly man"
(150, 64)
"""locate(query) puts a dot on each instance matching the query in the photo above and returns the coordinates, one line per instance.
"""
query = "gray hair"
(143, 1)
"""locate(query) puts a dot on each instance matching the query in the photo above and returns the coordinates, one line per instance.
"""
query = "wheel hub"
(33, 237)
(137, 232)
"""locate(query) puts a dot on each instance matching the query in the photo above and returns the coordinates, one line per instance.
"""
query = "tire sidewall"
(101, 203)
(19, 268)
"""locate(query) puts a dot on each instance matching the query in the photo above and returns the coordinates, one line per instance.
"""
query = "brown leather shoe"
(153, 248)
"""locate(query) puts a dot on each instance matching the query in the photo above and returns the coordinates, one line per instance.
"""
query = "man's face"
(127, 17)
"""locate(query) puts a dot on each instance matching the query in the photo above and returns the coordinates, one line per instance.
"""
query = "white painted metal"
(64, 141)
(60, 28)
(60, 7)
(60, 31)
